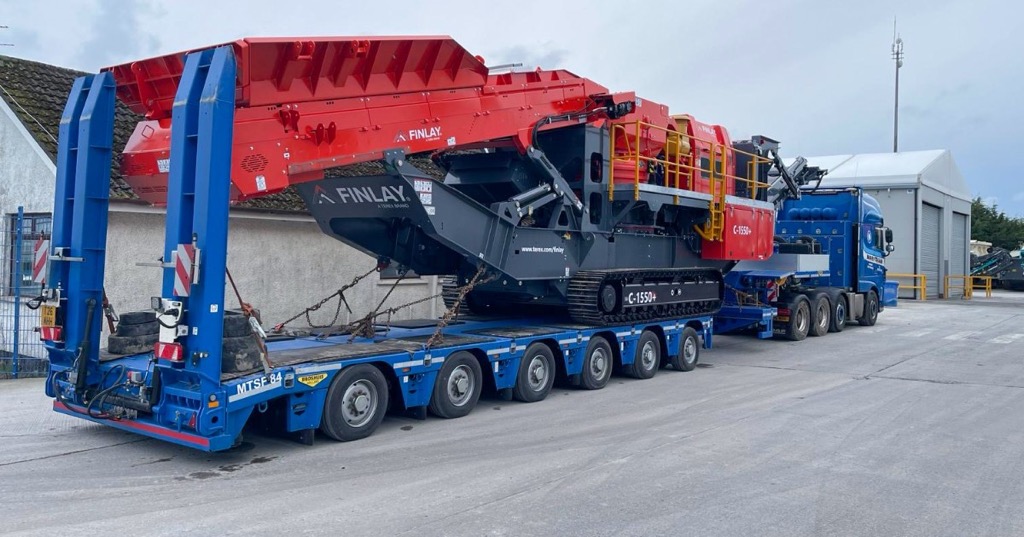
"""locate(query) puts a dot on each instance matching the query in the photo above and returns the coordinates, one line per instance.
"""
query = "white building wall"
(26, 172)
(900, 214)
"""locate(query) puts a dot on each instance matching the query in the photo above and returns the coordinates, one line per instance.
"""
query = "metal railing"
(986, 285)
(22, 354)
(964, 286)
(920, 284)
(681, 166)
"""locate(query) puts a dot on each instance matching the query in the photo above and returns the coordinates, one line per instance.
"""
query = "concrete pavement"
(912, 427)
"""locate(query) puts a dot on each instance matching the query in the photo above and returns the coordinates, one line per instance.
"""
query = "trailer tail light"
(51, 333)
(171, 352)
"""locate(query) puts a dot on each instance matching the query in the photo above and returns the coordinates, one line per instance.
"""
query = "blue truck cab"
(827, 269)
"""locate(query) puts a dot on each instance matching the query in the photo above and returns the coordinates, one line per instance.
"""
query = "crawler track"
(695, 284)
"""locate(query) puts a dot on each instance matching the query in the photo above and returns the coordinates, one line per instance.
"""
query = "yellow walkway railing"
(680, 164)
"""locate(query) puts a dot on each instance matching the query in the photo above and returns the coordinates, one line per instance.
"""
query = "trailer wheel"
(236, 325)
(689, 351)
(870, 309)
(457, 387)
(648, 356)
(536, 374)
(132, 330)
(239, 354)
(799, 319)
(597, 365)
(838, 321)
(356, 403)
(821, 315)
(131, 344)
(136, 317)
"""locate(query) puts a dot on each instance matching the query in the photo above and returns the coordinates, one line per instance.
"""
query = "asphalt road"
(912, 427)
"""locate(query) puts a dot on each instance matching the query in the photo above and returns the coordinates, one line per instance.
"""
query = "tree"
(989, 224)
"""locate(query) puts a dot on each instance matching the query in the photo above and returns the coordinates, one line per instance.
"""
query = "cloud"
(21, 38)
(116, 35)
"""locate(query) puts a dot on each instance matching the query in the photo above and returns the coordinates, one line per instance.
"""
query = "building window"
(34, 227)
(391, 273)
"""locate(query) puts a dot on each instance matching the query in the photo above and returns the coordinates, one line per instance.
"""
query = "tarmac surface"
(912, 427)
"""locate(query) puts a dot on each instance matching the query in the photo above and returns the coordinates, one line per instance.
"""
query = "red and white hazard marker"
(40, 253)
(184, 261)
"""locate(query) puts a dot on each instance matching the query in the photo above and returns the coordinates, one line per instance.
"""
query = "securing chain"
(453, 311)
(252, 317)
(365, 326)
(340, 293)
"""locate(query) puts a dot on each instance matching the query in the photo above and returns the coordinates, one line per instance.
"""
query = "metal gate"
(931, 227)
(21, 352)
(958, 249)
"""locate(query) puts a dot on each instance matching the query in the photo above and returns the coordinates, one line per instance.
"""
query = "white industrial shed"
(924, 200)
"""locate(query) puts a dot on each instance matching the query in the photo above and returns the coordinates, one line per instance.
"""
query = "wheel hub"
(460, 386)
(359, 403)
(538, 373)
(598, 363)
(647, 357)
(689, 350)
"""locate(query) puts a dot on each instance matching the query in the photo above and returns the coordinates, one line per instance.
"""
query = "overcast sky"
(815, 74)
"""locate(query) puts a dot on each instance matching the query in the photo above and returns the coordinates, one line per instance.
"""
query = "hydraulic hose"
(83, 348)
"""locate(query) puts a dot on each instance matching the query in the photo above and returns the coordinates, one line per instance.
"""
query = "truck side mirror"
(889, 248)
(888, 236)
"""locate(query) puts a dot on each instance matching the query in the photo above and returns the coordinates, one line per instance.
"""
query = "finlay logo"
(361, 194)
(369, 194)
(426, 134)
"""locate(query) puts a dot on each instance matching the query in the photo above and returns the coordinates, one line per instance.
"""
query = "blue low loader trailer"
(180, 389)
(827, 270)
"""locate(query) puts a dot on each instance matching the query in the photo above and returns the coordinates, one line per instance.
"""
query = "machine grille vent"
(254, 163)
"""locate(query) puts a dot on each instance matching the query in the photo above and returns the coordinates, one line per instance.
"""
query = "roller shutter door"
(931, 223)
(958, 249)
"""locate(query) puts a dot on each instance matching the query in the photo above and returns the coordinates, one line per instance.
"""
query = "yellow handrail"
(986, 285)
(674, 169)
(922, 286)
(966, 287)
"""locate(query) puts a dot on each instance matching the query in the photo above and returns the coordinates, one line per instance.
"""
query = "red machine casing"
(747, 234)
(308, 105)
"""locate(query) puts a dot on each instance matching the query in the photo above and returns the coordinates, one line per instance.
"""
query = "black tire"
(239, 354)
(457, 387)
(236, 326)
(132, 330)
(799, 323)
(821, 315)
(536, 374)
(131, 344)
(870, 316)
(136, 317)
(356, 403)
(647, 360)
(840, 312)
(689, 351)
(597, 364)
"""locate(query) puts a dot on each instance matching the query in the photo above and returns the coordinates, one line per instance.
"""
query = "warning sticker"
(312, 380)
